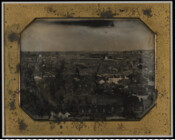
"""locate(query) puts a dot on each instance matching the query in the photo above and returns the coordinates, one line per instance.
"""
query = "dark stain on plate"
(22, 125)
(12, 105)
(13, 37)
(69, 15)
(107, 14)
(51, 10)
(61, 126)
(147, 12)
(121, 10)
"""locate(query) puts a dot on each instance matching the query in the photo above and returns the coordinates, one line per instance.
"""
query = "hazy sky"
(84, 35)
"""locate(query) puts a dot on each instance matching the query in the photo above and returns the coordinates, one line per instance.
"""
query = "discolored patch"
(52, 125)
(22, 125)
(147, 12)
(13, 37)
(121, 10)
(98, 124)
(51, 10)
(78, 125)
(69, 15)
(61, 126)
(120, 126)
(12, 105)
(10, 92)
(107, 14)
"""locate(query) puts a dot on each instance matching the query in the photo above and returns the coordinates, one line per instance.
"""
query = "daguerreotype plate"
(87, 69)
(75, 69)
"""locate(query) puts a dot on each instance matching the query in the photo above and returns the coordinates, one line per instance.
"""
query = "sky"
(87, 35)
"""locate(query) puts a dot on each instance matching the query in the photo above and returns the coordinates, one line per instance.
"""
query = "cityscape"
(84, 85)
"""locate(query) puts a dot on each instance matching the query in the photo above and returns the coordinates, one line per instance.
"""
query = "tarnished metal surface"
(18, 16)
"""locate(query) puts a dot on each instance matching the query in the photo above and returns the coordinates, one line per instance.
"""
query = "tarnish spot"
(22, 125)
(13, 37)
(78, 125)
(10, 92)
(52, 125)
(11, 34)
(12, 105)
(121, 10)
(10, 82)
(147, 12)
(156, 94)
(69, 15)
(51, 10)
(17, 68)
(98, 124)
(55, 122)
(120, 126)
(107, 14)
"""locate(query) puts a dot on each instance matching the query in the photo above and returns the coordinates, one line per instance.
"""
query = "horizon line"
(92, 51)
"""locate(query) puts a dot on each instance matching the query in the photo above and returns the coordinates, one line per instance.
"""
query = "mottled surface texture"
(87, 85)
(156, 16)
(75, 69)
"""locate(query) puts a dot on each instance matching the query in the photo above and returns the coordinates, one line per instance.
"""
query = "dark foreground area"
(87, 85)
